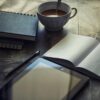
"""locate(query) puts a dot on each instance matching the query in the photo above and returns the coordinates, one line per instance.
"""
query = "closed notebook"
(18, 26)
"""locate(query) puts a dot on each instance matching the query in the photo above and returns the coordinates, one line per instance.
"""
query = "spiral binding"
(18, 13)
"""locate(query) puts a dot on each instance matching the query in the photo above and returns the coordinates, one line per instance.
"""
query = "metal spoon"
(58, 4)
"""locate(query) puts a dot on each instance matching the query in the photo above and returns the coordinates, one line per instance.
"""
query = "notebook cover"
(17, 25)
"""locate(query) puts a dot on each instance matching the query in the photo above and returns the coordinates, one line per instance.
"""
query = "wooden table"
(86, 22)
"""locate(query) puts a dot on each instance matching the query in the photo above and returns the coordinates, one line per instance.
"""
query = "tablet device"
(46, 80)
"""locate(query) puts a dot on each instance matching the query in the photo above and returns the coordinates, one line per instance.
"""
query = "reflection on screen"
(43, 83)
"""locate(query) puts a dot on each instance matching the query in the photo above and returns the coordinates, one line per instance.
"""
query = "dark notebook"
(18, 26)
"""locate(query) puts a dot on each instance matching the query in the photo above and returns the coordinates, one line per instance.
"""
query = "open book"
(82, 51)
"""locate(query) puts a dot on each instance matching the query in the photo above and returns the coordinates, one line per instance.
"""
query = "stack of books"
(15, 28)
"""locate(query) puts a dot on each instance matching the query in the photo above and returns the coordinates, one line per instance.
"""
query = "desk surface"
(87, 22)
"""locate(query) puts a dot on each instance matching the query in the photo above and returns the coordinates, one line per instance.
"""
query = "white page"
(73, 48)
(92, 61)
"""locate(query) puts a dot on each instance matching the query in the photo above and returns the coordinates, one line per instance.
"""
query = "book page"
(92, 61)
(73, 48)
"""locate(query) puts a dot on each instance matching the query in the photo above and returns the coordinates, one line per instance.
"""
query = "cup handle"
(75, 12)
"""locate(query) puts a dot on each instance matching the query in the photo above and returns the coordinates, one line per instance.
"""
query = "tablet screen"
(45, 81)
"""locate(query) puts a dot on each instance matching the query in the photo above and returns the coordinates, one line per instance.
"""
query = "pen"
(23, 63)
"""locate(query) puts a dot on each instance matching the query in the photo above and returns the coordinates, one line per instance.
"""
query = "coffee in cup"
(53, 13)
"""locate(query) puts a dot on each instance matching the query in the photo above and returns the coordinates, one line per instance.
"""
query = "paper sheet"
(73, 48)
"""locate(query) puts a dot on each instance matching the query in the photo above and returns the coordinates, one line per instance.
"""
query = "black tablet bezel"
(73, 92)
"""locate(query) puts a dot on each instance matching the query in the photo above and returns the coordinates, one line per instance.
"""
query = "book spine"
(11, 44)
